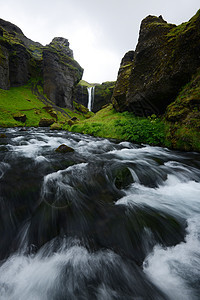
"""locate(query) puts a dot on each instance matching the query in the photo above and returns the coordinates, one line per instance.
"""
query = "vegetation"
(20, 101)
(183, 117)
(108, 123)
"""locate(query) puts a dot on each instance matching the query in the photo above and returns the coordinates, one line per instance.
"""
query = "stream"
(110, 221)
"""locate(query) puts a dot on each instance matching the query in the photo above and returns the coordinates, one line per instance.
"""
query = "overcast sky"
(100, 32)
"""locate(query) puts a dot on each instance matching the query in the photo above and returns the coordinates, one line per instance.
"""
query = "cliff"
(102, 94)
(164, 60)
(54, 65)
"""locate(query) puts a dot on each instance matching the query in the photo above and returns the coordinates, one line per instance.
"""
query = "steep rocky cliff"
(164, 60)
(102, 94)
(22, 59)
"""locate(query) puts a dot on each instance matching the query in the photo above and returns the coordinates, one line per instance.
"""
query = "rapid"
(112, 220)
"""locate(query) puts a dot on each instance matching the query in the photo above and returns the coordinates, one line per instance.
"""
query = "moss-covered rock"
(56, 126)
(102, 95)
(44, 122)
(61, 72)
(19, 117)
(165, 59)
(22, 59)
(183, 117)
(64, 149)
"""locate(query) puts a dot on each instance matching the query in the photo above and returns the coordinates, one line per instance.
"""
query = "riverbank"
(27, 106)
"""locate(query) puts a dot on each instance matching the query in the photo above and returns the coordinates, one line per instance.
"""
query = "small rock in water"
(2, 136)
(64, 149)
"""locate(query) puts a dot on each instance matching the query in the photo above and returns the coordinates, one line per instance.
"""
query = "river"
(111, 220)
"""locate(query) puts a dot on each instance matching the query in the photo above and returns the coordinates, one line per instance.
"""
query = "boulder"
(123, 178)
(64, 149)
(19, 117)
(44, 122)
(56, 126)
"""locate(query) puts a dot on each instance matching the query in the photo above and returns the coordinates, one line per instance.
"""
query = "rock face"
(102, 94)
(61, 72)
(81, 94)
(18, 61)
(165, 59)
(22, 59)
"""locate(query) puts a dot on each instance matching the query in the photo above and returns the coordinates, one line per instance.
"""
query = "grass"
(108, 123)
(22, 100)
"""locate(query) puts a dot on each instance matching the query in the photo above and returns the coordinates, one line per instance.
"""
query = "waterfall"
(90, 97)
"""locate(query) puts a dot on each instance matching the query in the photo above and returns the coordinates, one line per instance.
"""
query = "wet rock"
(44, 122)
(20, 117)
(2, 136)
(64, 149)
(123, 178)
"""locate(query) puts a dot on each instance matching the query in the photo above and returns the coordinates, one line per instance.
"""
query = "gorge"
(100, 183)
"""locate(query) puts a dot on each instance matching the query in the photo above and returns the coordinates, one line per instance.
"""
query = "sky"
(100, 32)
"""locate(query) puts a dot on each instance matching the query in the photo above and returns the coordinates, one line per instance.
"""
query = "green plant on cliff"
(183, 117)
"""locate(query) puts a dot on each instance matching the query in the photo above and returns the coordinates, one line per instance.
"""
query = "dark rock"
(18, 62)
(102, 95)
(128, 57)
(44, 122)
(61, 73)
(81, 95)
(4, 68)
(165, 58)
(74, 119)
(70, 122)
(64, 149)
(123, 178)
(2, 136)
(22, 58)
(19, 117)
(19, 65)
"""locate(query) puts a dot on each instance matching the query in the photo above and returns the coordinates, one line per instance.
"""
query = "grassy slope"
(22, 100)
(108, 123)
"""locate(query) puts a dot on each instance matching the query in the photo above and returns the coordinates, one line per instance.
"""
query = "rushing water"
(90, 97)
(108, 221)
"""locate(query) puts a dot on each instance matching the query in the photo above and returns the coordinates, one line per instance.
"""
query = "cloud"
(99, 32)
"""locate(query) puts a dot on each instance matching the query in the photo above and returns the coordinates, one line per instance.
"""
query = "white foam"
(172, 269)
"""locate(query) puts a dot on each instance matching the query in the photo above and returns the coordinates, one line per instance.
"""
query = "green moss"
(84, 83)
(20, 100)
(183, 117)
